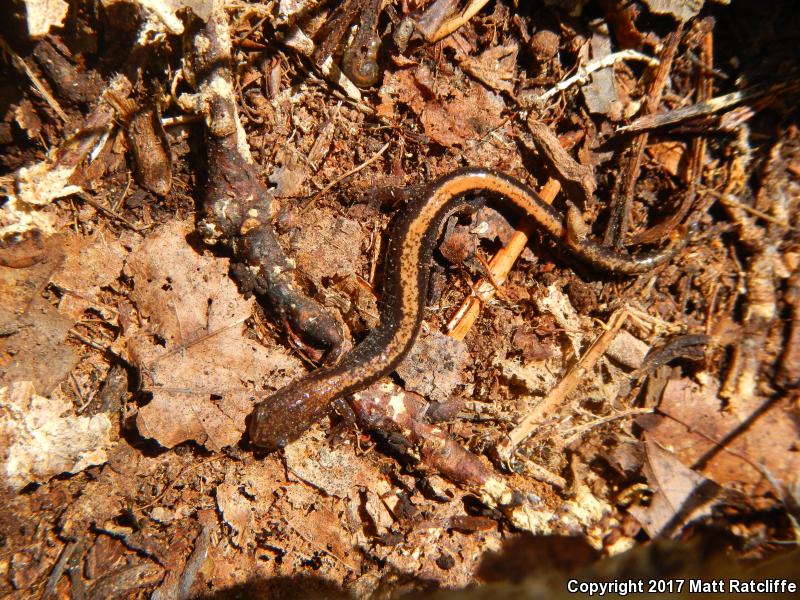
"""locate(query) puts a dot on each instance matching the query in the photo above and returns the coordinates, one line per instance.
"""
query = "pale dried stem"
(567, 385)
(451, 25)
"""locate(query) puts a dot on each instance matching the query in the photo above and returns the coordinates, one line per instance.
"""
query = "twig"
(172, 483)
(694, 171)
(451, 25)
(731, 201)
(622, 200)
(87, 341)
(61, 564)
(180, 120)
(499, 266)
(557, 395)
(579, 429)
(714, 105)
(109, 213)
(84, 400)
(236, 208)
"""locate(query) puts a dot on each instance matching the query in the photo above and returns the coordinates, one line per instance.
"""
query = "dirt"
(584, 420)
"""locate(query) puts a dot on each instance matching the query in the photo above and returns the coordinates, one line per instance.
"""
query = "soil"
(571, 421)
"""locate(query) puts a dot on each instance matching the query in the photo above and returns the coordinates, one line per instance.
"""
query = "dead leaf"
(235, 510)
(556, 303)
(42, 15)
(327, 249)
(600, 92)
(33, 344)
(682, 10)
(89, 265)
(400, 87)
(192, 352)
(450, 118)
(161, 15)
(39, 352)
(335, 471)
(669, 155)
(681, 494)
(763, 441)
(628, 350)
(321, 529)
(380, 516)
(289, 174)
(26, 117)
(433, 367)
(496, 67)
(467, 116)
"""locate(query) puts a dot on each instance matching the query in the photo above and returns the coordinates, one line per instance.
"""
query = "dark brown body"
(285, 415)
(360, 60)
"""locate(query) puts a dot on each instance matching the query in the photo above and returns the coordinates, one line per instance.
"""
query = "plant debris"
(195, 206)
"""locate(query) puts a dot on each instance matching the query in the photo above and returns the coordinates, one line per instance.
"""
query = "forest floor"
(583, 415)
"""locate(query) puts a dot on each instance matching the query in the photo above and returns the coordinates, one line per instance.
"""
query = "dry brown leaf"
(467, 116)
(765, 441)
(322, 530)
(39, 352)
(400, 87)
(600, 93)
(289, 174)
(161, 15)
(192, 354)
(327, 249)
(450, 118)
(42, 15)
(27, 119)
(235, 510)
(376, 510)
(335, 471)
(669, 155)
(682, 10)
(33, 335)
(90, 264)
(681, 494)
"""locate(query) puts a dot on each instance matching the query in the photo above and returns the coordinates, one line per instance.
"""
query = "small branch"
(576, 432)
(350, 173)
(451, 25)
(622, 200)
(715, 105)
(108, 212)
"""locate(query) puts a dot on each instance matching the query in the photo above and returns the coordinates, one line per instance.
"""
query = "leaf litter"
(166, 492)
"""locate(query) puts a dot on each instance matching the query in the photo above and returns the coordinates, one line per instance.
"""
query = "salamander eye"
(360, 63)
(367, 73)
